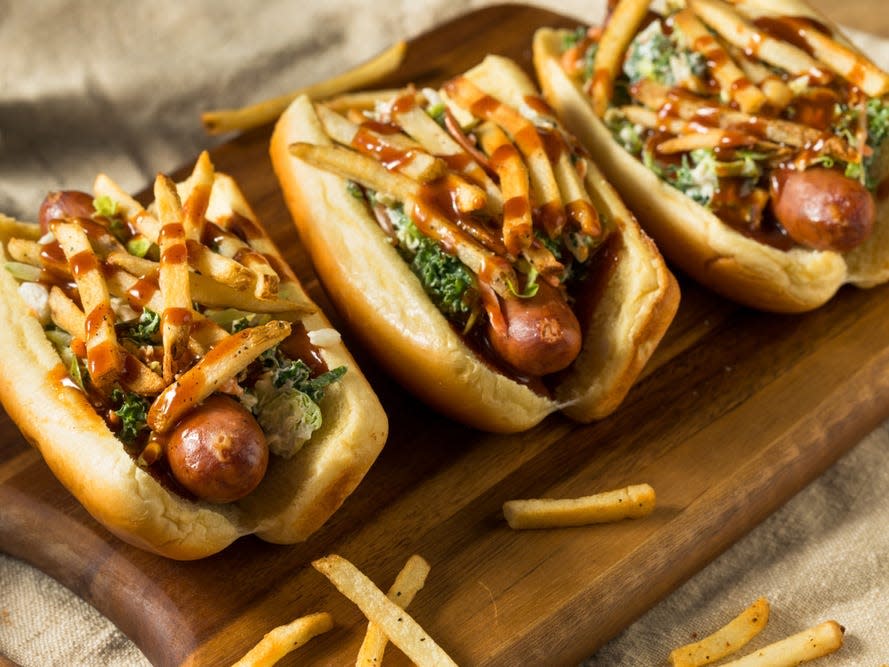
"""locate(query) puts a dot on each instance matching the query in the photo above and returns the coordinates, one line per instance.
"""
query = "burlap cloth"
(118, 87)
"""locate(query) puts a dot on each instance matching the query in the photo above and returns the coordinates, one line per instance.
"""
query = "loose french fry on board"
(631, 502)
(280, 641)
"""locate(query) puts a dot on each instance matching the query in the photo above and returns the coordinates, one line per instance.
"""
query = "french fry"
(266, 279)
(194, 192)
(736, 30)
(11, 228)
(173, 278)
(223, 362)
(408, 582)
(728, 639)
(711, 139)
(465, 196)
(579, 206)
(245, 118)
(731, 79)
(396, 623)
(849, 64)
(105, 359)
(356, 167)
(622, 25)
(514, 186)
(105, 186)
(67, 316)
(204, 289)
(816, 642)
(776, 91)
(633, 502)
(144, 292)
(29, 252)
(280, 641)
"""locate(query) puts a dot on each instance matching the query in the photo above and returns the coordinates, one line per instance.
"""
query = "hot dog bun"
(385, 304)
(295, 496)
(693, 238)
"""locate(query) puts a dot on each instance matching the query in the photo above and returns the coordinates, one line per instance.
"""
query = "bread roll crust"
(385, 304)
(690, 236)
(295, 497)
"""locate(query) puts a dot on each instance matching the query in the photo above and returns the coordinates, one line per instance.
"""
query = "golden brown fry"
(204, 289)
(145, 223)
(105, 359)
(776, 91)
(736, 30)
(467, 198)
(225, 270)
(731, 79)
(397, 624)
(12, 228)
(280, 641)
(195, 194)
(706, 139)
(622, 26)
(173, 278)
(223, 362)
(229, 246)
(579, 206)
(353, 166)
(816, 642)
(66, 315)
(514, 185)
(728, 639)
(848, 63)
(408, 582)
(631, 502)
(227, 120)
(25, 251)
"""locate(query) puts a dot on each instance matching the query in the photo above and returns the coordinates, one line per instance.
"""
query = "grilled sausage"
(218, 451)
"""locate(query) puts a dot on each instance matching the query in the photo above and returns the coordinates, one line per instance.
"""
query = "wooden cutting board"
(736, 413)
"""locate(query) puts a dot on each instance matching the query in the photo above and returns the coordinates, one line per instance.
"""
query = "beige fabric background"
(118, 86)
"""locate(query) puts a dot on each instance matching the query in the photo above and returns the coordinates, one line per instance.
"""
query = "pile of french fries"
(522, 172)
(200, 266)
(387, 618)
(741, 57)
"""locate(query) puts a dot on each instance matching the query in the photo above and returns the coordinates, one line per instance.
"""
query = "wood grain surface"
(736, 413)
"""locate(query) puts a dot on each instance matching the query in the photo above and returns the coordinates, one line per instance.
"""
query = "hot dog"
(172, 372)
(474, 248)
(750, 139)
